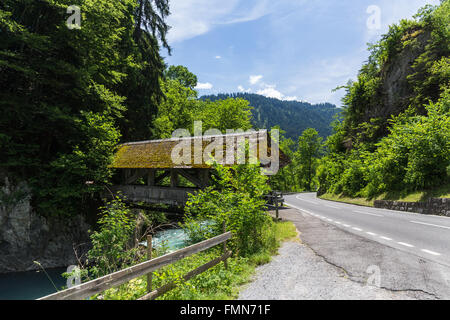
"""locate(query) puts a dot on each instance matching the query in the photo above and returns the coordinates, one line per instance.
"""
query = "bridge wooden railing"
(153, 194)
(101, 284)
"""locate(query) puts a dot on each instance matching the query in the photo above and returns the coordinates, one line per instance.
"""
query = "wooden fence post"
(149, 257)
(276, 206)
(224, 226)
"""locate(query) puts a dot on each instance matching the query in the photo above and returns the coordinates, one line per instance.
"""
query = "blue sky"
(287, 49)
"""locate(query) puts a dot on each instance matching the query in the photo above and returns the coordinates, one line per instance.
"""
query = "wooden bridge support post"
(173, 178)
(276, 207)
(151, 177)
(204, 177)
(149, 257)
(224, 226)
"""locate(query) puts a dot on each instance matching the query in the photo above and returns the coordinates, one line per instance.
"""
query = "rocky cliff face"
(26, 237)
(395, 92)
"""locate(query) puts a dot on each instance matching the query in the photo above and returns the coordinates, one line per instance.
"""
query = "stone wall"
(26, 237)
(436, 206)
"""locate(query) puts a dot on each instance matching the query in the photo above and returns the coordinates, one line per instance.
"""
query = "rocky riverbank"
(26, 237)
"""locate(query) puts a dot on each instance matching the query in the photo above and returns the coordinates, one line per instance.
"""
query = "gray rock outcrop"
(26, 236)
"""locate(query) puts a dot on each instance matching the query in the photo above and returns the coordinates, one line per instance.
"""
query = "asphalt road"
(297, 273)
(424, 236)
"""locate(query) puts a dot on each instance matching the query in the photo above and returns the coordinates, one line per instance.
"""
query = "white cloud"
(259, 10)
(204, 86)
(255, 79)
(218, 57)
(270, 92)
(242, 89)
(191, 18)
(293, 98)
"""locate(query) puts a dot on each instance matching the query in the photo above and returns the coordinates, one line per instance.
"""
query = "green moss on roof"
(157, 154)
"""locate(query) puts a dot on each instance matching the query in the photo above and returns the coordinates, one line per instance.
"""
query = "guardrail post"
(224, 226)
(149, 257)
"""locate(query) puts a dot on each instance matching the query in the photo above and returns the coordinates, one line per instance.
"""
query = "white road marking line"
(303, 210)
(295, 207)
(412, 213)
(301, 199)
(406, 244)
(431, 252)
(371, 233)
(370, 214)
(430, 224)
(327, 205)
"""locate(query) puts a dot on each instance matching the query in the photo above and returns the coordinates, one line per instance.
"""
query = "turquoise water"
(172, 239)
(35, 284)
(30, 285)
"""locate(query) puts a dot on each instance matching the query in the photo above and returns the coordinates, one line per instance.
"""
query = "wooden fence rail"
(101, 284)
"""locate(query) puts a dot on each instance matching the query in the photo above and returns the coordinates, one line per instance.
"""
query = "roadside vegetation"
(393, 141)
(415, 196)
(234, 198)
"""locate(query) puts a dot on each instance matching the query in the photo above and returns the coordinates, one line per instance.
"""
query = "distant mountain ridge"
(292, 116)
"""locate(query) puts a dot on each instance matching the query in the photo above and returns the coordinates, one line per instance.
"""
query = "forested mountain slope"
(292, 116)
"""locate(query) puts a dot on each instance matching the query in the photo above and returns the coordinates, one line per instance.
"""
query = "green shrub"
(236, 199)
(353, 180)
(113, 247)
(329, 173)
(416, 153)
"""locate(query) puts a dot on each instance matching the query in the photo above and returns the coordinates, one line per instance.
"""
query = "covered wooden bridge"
(166, 171)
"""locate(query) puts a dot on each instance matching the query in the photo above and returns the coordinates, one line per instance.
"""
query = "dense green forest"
(69, 96)
(293, 116)
(395, 134)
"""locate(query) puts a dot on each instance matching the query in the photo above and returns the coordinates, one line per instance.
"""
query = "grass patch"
(441, 192)
(341, 198)
(416, 196)
(285, 231)
(218, 283)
